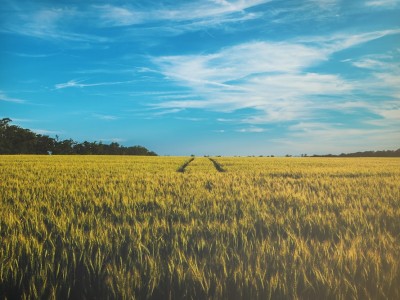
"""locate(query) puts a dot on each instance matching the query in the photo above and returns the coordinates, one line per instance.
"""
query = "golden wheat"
(133, 227)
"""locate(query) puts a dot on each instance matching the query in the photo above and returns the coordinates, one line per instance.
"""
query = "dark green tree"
(17, 140)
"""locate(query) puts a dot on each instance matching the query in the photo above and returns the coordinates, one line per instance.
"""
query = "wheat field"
(119, 227)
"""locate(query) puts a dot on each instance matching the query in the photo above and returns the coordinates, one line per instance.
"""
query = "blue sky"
(244, 77)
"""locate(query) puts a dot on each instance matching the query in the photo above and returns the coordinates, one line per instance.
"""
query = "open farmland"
(133, 227)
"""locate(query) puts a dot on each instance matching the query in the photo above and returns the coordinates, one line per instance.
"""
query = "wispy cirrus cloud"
(168, 112)
(370, 63)
(296, 12)
(105, 117)
(199, 13)
(6, 98)
(19, 120)
(55, 23)
(254, 58)
(273, 78)
(382, 3)
(105, 71)
(386, 63)
(111, 15)
(240, 61)
(83, 23)
(32, 55)
(384, 74)
(80, 84)
(252, 130)
(341, 41)
(46, 132)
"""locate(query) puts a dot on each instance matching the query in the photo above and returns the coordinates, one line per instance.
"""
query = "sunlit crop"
(134, 227)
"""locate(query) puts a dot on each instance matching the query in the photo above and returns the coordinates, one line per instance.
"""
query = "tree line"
(381, 153)
(17, 140)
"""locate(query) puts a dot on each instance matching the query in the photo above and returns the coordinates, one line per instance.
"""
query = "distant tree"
(17, 140)
(383, 153)
(4, 122)
(44, 144)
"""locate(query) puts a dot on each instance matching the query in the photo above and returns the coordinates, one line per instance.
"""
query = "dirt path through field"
(201, 165)
(184, 165)
(217, 165)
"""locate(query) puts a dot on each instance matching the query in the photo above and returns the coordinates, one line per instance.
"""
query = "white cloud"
(338, 42)
(45, 131)
(4, 97)
(382, 77)
(167, 112)
(105, 71)
(22, 120)
(225, 120)
(237, 62)
(190, 119)
(382, 3)
(252, 129)
(77, 24)
(293, 85)
(389, 111)
(30, 55)
(119, 16)
(311, 126)
(57, 24)
(190, 15)
(71, 83)
(253, 58)
(251, 75)
(271, 78)
(326, 4)
(78, 84)
(105, 117)
(368, 63)
(387, 79)
(315, 11)
(181, 104)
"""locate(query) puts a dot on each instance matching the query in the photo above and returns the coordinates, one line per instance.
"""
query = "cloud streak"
(69, 23)
(252, 130)
(48, 23)
(6, 98)
(105, 117)
(78, 84)
(382, 3)
(46, 132)
(272, 78)
(200, 13)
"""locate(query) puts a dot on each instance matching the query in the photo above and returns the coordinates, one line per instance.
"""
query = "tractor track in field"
(182, 168)
(217, 165)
